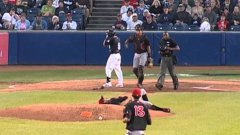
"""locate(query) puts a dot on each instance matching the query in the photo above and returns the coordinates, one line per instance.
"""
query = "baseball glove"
(150, 62)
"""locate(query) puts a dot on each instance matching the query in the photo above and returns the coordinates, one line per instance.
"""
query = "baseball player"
(136, 115)
(168, 60)
(143, 98)
(114, 60)
(142, 52)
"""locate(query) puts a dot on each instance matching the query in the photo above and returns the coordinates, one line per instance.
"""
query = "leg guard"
(135, 71)
(140, 74)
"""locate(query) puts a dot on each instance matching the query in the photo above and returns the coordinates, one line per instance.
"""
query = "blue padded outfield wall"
(85, 48)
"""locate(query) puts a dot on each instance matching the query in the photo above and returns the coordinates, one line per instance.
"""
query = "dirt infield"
(64, 112)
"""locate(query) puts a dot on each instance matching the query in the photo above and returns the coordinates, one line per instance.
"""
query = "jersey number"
(139, 111)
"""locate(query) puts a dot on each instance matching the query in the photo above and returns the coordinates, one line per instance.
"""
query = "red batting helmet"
(136, 93)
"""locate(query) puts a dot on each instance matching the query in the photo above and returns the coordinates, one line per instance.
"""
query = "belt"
(167, 55)
(116, 52)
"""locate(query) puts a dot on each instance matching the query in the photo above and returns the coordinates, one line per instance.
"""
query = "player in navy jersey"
(136, 115)
(114, 60)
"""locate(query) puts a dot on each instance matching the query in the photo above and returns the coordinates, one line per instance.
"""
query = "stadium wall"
(85, 48)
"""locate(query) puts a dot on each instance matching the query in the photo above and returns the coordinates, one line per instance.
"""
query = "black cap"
(130, 10)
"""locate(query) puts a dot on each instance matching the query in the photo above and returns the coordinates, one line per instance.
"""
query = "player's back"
(140, 116)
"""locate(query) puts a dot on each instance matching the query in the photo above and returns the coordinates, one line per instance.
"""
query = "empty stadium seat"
(193, 28)
(235, 28)
(162, 27)
(62, 17)
(178, 28)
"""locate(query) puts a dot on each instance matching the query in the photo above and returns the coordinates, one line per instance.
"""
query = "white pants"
(139, 59)
(114, 63)
(136, 132)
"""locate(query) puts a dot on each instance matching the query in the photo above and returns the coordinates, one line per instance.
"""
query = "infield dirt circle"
(90, 112)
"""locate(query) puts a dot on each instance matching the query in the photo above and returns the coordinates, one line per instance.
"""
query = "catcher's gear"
(110, 33)
(149, 62)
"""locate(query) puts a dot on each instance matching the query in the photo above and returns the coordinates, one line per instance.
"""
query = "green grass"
(195, 114)
(58, 75)
(201, 113)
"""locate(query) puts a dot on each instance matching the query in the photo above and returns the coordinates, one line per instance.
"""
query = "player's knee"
(140, 69)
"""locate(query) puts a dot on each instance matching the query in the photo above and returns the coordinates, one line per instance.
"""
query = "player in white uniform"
(114, 60)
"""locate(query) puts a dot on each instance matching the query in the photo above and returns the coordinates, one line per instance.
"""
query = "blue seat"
(79, 19)
(78, 11)
(178, 28)
(32, 13)
(62, 17)
(162, 27)
(235, 28)
(193, 28)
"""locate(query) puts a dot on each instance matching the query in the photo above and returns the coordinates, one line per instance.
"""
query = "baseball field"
(63, 100)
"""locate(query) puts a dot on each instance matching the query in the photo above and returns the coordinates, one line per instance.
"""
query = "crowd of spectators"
(44, 14)
(200, 15)
(203, 15)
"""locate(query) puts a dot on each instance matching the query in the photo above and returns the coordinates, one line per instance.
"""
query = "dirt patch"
(55, 112)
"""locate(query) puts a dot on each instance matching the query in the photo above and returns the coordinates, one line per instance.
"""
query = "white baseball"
(100, 118)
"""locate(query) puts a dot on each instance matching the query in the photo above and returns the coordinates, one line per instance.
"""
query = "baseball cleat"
(107, 85)
(119, 85)
(159, 86)
(175, 86)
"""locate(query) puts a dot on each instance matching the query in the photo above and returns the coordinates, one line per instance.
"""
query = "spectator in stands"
(212, 16)
(223, 24)
(150, 24)
(5, 6)
(183, 15)
(166, 18)
(235, 16)
(120, 24)
(125, 7)
(227, 14)
(9, 19)
(228, 4)
(61, 9)
(69, 4)
(55, 24)
(172, 6)
(29, 3)
(23, 23)
(156, 8)
(48, 9)
(84, 4)
(127, 17)
(20, 8)
(134, 3)
(205, 25)
(37, 3)
(196, 20)
(69, 24)
(188, 8)
(55, 3)
(148, 2)
(39, 23)
(145, 13)
(197, 9)
(215, 4)
(131, 24)
(140, 9)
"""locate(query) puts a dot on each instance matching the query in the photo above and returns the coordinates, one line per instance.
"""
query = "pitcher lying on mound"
(121, 100)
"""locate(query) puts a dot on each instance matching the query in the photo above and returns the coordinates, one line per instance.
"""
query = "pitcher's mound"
(59, 112)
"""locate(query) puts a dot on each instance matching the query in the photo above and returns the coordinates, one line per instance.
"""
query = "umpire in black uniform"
(168, 60)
